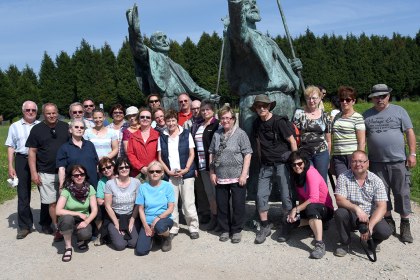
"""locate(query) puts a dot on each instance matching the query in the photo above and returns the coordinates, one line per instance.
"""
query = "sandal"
(82, 245)
(67, 257)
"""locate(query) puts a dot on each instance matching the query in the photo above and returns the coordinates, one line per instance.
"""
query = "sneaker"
(224, 237)
(391, 224)
(58, 236)
(262, 234)
(236, 237)
(342, 250)
(405, 232)
(319, 250)
(47, 230)
(167, 244)
(194, 235)
(22, 233)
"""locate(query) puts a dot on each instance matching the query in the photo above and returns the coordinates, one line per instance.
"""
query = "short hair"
(171, 114)
(207, 102)
(226, 109)
(69, 174)
(74, 104)
(27, 102)
(311, 90)
(88, 99)
(155, 110)
(155, 95)
(115, 107)
(143, 109)
(153, 163)
(49, 104)
(360, 152)
(73, 121)
(98, 110)
(346, 91)
(105, 161)
(120, 161)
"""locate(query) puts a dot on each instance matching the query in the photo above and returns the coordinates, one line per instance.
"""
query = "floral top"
(312, 132)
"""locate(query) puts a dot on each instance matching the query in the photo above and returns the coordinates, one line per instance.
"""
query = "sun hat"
(262, 98)
(380, 89)
(132, 110)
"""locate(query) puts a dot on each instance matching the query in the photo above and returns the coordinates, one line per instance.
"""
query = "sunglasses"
(348, 100)
(30, 110)
(77, 175)
(118, 113)
(300, 163)
(53, 133)
(182, 101)
(87, 106)
(77, 112)
(123, 167)
(154, 101)
(383, 96)
(108, 167)
(145, 117)
(155, 171)
(79, 127)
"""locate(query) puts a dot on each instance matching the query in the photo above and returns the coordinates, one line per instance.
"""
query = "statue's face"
(251, 11)
(160, 42)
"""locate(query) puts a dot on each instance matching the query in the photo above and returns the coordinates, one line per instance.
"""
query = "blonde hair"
(311, 90)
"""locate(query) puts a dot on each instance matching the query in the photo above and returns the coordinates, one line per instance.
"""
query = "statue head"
(252, 13)
(160, 42)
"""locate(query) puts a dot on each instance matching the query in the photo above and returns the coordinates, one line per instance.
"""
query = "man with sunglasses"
(43, 142)
(76, 111)
(185, 112)
(88, 108)
(17, 157)
(386, 125)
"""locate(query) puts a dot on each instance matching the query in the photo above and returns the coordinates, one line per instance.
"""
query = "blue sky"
(30, 27)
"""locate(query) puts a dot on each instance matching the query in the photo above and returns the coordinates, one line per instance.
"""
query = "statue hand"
(215, 98)
(132, 16)
(296, 64)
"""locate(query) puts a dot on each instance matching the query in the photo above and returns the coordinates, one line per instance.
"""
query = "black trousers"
(223, 195)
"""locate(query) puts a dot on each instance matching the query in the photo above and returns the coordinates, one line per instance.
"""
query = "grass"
(413, 109)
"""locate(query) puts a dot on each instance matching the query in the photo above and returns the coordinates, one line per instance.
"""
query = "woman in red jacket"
(142, 145)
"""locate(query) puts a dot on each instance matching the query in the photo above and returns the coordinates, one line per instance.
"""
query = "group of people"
(120, 182)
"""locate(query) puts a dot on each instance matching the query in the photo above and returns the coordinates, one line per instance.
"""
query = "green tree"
(66, 82)
(47, 80)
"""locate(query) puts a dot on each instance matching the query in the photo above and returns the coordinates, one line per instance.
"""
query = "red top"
(182, 117)
(141, 153)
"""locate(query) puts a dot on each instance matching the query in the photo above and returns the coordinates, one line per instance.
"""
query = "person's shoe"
(58, 236)
(236, 237)
(405, 232)
(319, 250)
(98, 240)
(22, 233)
(342, 250)
(47, 230)
(172, 235)
(194, 235)
(262, 234)
(167, 244)
(391, 224)
(285, 232)
(224, 237)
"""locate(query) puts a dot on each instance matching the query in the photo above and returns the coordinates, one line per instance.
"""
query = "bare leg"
(316, 226)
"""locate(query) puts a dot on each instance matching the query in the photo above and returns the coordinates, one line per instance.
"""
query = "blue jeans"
(321, 161)
(144, 242)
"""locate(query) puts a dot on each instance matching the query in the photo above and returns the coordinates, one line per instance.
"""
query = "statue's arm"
(138, 48)
(237, 26)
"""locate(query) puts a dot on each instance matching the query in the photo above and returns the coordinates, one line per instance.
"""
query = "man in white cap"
(385, 127)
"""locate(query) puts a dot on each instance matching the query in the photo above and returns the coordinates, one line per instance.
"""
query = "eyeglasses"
(90, 105)
(300, 163)
(359, 161)
(79, 127)
(53, 133)
(383, 96)
(145, 117)
(108, 167)
(348, 100)
(77, 175)
(154, 101)
(77, 112)
(182, 101)
(118, 113)
(30, 110)
(226, 119)
(123, 167)
(312, 98)
(155, 171)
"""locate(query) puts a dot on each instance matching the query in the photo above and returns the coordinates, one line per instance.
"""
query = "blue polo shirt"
(70, 154)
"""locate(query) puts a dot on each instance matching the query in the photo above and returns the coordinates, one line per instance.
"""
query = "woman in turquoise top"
(77, 197)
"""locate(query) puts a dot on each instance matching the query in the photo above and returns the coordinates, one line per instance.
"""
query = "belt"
(22, 155)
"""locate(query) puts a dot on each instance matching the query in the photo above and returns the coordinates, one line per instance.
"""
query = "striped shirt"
(373, 190)
(198, 138)
(119, 133)
(18, 134)
(344, 133)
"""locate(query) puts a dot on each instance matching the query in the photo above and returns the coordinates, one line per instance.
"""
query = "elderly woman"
(155, 200)
(120, 194)
(230, 155)
(202, 139)
(176, 153)
(159, 117)
(119, 125)
(142, 145)
(77, 151)
(76, 209)
(106, 167)
(348, 129)
(315, 131)
(131, 114)
(315, 202)
(105, 139)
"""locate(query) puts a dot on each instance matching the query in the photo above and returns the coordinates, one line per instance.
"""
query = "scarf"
(80, 193)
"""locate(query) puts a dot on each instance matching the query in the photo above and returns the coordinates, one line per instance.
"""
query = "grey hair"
(27, 102)
(73, 121)
(74, 104)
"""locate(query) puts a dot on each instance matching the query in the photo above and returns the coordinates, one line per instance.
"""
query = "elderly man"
(76, 111)
(361, 198)
(386, 125)
(17, 157)
(43, 142)
(155, 71)
(185, 112)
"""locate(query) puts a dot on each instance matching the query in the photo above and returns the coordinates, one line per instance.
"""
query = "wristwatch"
(414, 155)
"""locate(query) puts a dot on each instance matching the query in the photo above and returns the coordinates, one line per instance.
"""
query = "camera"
(362, 227)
